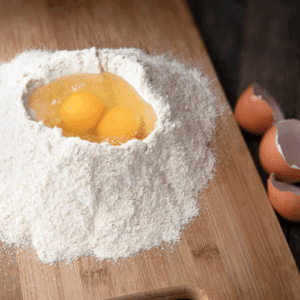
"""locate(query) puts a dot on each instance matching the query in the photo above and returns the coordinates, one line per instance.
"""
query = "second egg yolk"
(81, 111)
(118, 122)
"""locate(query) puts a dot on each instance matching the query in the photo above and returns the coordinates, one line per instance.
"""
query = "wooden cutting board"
(235, 249)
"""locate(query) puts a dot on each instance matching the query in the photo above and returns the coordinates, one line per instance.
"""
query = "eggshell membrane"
(256, 110)
(285, 198)
(282, 156)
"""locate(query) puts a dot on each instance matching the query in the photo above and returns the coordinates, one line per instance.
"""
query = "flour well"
(70, 198)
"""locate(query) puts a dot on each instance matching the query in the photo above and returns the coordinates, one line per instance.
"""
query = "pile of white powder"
(68, 197)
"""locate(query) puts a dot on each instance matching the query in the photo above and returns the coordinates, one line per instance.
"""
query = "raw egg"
(81, 112)
(127, 96)
(119, 121)
(285, 198)
(279, 150)
(94, 107)
(256, 110)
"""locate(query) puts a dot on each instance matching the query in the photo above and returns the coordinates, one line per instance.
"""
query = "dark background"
(256, 41)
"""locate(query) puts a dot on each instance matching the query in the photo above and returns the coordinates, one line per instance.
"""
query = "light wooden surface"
(234, 250)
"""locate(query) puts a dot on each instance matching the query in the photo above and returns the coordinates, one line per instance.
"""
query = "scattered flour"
(70, 198)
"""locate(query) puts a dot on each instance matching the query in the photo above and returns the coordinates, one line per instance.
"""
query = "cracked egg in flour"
(94, 107)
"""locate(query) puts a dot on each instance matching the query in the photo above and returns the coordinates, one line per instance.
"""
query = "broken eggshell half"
(256, 110)
(279, 150)
(285, 198)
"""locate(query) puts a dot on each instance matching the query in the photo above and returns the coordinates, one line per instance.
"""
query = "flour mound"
(68, 197)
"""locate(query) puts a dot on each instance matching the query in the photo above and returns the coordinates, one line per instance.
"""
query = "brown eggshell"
(279, 150)
(256, 110)
(285, 198)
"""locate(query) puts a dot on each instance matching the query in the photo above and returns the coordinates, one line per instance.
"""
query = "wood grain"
(235, 249)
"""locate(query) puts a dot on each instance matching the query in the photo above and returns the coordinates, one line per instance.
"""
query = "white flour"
(70, 198)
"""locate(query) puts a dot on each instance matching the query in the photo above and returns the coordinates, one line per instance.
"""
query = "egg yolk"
(80, 112)
(94, 107)
(119, 121)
